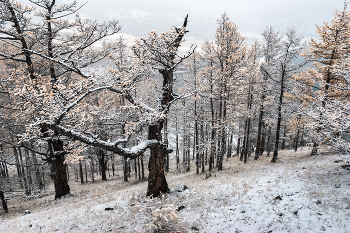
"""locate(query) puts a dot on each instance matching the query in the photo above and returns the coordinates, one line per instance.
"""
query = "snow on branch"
(131, 153)
(131, 99)
(179, 97)
(73, 69)
(69, 107)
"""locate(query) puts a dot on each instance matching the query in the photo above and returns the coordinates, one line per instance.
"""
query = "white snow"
(297, 194)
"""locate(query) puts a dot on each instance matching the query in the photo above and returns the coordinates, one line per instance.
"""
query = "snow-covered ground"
(297, 194)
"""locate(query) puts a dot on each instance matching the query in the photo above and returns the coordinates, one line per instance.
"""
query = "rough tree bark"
(103, 163)
(156, 180)
(3, 201)
(58, 168)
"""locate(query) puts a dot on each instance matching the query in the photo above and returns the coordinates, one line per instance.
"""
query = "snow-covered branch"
(131, 99)
(70, 106)
(131, 153)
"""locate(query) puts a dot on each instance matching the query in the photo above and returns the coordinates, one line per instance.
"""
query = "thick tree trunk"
(3, 201)
(156, 180)
(103, 163)
(59, 168)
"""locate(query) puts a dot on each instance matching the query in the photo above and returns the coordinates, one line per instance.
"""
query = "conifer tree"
(327, 81)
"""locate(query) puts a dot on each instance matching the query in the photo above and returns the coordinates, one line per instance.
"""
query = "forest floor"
(297, 194)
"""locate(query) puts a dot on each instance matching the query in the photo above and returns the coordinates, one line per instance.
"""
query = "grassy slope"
(314, 197)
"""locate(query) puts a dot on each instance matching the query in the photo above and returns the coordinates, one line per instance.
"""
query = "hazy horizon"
(139, 17)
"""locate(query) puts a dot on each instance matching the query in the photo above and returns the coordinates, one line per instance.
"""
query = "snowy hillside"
(297, 194)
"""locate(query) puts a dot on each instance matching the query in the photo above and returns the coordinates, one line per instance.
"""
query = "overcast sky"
(138, 17)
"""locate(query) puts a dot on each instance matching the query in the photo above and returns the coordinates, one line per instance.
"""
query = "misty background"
(139, 17)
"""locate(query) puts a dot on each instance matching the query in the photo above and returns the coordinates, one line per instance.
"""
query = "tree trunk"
(156, 180)
(81, 173)
(92, 171)
(259, 143)
(3, 201)
(314, 149)
(135, 163)
(125, 169)
(142, 169)
(37, 172)
(212, 149)
(238, 146)
(67, 172)
(113, 169)
(223, 135)
(196, 147)
(86, 173)
(296, 141)
(177, 152)
(166, 144)
(268, 144)
(279, 119)
(229, 146)
(284, 138)
(139, 167)
(24, 177)
(18, 166)
(244, 140)
(212, 144)
(76, 173)
(202, 146)
(29, 166)
(58, 168)
(246, 147)
(103, 163)
(263, 137)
